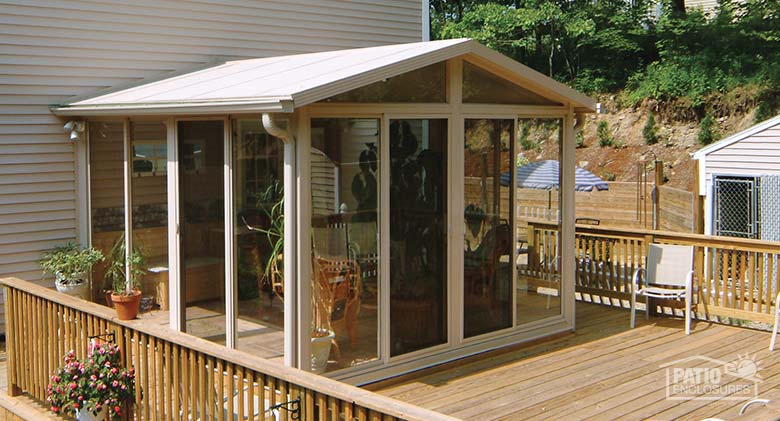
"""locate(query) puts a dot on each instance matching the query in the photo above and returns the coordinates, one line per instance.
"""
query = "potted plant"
(322, 335)
(71, 266)
(125, 296)
(96, 387)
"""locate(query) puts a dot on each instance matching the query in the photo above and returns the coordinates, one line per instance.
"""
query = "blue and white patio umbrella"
(545, 175)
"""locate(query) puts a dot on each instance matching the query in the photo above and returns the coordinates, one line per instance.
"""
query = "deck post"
(567, 208)
(10, 342)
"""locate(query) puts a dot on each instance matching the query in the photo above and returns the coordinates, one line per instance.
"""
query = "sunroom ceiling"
(281, 84)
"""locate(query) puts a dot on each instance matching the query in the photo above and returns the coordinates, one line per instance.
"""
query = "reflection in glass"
(150, 207)
(345, 253)
(538, 282)
(427, 84)
(418, 229)
(202, 232)
(483, 87)
(487, 258)
(106, 187)
(258, 187)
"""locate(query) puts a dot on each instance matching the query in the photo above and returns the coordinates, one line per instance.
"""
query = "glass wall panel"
(345, 241)
(418, 234)
(202, 232)
(258, 194)
(538, 197)
(427, 84)
(487, 258)
(150, 208)
(106, 193)
(483, 87)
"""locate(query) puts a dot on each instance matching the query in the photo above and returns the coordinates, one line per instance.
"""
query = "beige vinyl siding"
(705, 5)
(51, 50)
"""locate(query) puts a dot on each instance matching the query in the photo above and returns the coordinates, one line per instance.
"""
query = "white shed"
(739, 182)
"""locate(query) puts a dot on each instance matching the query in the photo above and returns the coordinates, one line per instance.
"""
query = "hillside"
(677, 141)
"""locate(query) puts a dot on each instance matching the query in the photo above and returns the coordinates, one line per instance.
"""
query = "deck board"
(603, 371)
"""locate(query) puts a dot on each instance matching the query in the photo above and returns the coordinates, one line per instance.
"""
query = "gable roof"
(701, 153)
(281, 84)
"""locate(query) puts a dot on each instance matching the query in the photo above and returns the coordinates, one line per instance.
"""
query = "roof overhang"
(282, 84)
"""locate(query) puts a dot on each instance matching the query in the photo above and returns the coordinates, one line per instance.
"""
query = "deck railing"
(178, 376)
(736, 278)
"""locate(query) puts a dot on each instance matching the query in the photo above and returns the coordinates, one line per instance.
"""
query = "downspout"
(291, 344)
(274, 129)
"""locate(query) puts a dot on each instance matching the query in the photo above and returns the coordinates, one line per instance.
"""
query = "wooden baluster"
(212, 406)
(250, 396)
(220, 390)
(770, 282)
(262, 395)
(333, 408)
(284, 397)
(177, 376)
(734, 278)
(753, 281)
(362, 414)
(743, 279)
(322, 404)
(202, 382)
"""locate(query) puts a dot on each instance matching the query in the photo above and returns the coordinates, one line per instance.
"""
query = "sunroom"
(349, 212)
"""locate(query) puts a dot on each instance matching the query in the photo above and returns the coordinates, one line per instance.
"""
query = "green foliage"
(579, 138)
(116, 270)
(525, 139)
(608, 176)
(708, 130)
(605, 137)
(650, 130)
(70, 263)
(613, 45)
(273, 195)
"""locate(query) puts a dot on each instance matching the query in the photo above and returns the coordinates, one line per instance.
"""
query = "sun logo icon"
(745, 366)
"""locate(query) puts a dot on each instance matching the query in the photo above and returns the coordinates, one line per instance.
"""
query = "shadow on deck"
(605, 371)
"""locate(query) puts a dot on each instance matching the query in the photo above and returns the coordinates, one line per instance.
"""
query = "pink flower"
(72, 386)
(115, 383)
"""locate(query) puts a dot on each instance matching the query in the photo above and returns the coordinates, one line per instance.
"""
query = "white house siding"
(755, 155)
(51, 50)
(705, 5)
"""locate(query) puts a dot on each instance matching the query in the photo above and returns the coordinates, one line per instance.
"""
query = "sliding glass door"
(345, 242)
(418, 234)
(488, 215)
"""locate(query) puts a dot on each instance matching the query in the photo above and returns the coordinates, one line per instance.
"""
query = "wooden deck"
(603, 371)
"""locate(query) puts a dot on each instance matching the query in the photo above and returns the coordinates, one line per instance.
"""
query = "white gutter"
(283, 105)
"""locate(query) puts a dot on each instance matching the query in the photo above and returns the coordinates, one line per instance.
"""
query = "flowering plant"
(92, 383)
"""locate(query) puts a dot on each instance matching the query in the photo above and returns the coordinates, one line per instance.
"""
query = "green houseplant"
(322, 335)
(95, 387)
(71, 265)
(125, 296)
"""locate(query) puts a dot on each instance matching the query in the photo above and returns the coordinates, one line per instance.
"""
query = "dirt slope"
(677, 140)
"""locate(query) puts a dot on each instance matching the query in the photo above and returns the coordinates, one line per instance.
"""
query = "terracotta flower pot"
(126, 305)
